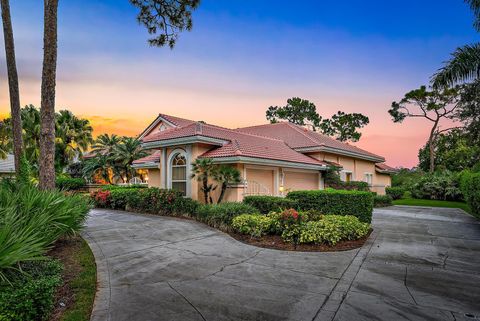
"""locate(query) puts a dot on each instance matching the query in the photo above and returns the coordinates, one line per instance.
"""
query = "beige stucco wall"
(358, 167)
(154, 177)
(294, 180)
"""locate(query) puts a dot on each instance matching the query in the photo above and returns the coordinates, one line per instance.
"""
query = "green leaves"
(302, 112)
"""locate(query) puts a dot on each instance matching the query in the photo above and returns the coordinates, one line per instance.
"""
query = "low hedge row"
(267, 204)
(382, 200)
(69, 184)
(395, 193)
(470, 185)
(337, 202)
(148, 200)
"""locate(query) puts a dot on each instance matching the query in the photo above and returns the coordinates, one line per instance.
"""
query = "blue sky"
(243, 56)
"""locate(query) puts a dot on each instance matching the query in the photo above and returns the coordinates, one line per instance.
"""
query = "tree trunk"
(47, 110)
(222, 193)
(431, 147)
(205, 188)
(12, 83)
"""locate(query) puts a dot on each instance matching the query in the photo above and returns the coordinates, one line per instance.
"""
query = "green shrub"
(149, 200)
(332, 229)
(338, 202)
(438, 186)
(470, 184)
(221, 215)
(395, 193)
(252, 224)
(382, 201)
(31, 220)
(69, 184)
(120, 187)
(30, 295)
(267, 204)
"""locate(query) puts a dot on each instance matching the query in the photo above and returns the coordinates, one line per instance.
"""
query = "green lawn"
(432, 203)
(83, 285)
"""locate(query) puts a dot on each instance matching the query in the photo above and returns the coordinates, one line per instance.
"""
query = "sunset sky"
(241, 57)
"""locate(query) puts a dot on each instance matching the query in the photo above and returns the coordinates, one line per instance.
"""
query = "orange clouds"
(119, 126)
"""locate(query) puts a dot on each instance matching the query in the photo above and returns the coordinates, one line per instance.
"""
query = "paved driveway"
(419, 264)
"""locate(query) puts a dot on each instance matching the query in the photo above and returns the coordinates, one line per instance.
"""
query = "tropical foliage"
(207, 173)
(73, 136)
(112, 159)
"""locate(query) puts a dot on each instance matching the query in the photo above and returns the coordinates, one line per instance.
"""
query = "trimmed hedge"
(30, 295)
(395, 193)
(470, 185)
(267, 204)
(221, 215)
(149, 200)
(336, 202)
(382, 201)
(69, 184)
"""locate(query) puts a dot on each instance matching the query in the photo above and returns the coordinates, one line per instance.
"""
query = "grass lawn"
(80, 280)
(432, 203)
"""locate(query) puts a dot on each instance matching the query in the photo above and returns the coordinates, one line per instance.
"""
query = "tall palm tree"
(12, 82)
(105, 144)
(464, 64)
(126, 152)
(226, 176)
(47, 110)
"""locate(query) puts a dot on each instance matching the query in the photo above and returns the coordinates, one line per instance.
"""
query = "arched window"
(179, 173)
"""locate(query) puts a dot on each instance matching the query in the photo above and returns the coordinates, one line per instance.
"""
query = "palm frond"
(463, 66)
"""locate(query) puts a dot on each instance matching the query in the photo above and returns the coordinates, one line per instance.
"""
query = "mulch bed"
(64, 250)
(276, 242)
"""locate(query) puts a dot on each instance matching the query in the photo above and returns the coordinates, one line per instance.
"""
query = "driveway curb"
(101, 305)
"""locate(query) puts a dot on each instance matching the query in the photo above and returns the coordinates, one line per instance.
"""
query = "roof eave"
(265, 161)
(340, 152)
(183, 141)
(155, 123)
(147, 165)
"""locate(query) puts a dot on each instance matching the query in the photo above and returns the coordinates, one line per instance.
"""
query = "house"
(273, 158)
(7, 166)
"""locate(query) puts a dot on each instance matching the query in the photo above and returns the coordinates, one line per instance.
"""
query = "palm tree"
(105, 144)
(203, 169)
(226, 176)
(126, 152)
(47, 110)
(464, 65)
(31, 133)
(5, 141)
(73, 137)
(12, 82)
(100, 165)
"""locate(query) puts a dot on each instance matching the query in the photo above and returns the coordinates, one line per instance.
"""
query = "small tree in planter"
(226, 175)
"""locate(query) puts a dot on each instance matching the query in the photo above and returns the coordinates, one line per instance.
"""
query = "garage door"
(259, 181)
(295, 181)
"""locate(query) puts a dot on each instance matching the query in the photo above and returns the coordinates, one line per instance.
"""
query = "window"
(162, 127)
(348, 177)
(179, 173)
(369, 178)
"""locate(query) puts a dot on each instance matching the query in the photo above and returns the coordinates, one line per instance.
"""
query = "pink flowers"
(290, 215)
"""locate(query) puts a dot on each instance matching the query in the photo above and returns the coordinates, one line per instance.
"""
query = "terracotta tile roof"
(236, 143)
(153, 158)
(382, 167)
(298, 137)
(180, 122)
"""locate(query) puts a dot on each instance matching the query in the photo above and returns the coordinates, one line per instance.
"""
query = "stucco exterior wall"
(359, 168)
(299, 180)
(153, 177)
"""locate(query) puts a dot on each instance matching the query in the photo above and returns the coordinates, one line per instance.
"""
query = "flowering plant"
(101, 198)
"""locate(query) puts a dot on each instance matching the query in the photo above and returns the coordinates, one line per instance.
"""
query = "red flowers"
(101, 198)
(290, 215)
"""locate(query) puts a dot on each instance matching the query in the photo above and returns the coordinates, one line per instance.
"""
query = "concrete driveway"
(419, 264)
